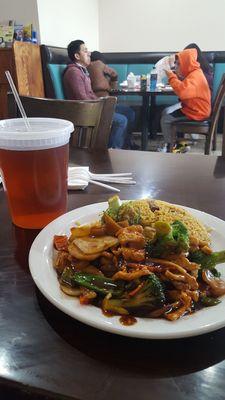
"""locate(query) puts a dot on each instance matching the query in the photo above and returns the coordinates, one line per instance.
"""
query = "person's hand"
(168, 72)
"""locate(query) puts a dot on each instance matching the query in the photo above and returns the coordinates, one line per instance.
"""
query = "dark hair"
(74, 47)
(204, 64)
(96, 55)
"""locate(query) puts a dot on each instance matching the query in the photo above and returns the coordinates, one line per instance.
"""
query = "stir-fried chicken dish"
(136, 263)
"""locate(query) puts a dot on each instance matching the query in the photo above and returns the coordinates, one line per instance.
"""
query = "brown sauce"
(127, 320)
(108, 313)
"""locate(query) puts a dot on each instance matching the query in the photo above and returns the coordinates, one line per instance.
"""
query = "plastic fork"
(82, 183)
(83, 176)
(83, 172)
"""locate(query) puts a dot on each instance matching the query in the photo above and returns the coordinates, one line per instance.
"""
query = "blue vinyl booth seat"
(55, 59)
(139, 69)
(56, 72)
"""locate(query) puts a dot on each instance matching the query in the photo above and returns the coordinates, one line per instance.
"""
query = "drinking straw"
(18, 101)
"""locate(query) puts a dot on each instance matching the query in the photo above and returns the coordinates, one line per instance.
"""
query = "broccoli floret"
(149, 297)
(169, 239)
(124, 211)
(207, 261)
(129, 212)
(113, 209)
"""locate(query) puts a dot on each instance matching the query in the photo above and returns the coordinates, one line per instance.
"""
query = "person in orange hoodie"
(190, 85)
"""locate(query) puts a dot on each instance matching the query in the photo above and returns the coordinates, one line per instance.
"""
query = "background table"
(45, 354)
(148, 100)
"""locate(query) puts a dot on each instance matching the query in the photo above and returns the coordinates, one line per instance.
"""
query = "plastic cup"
(131, 81)
(34, 166)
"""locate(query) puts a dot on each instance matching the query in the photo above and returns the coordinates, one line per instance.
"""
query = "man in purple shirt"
(77, 86)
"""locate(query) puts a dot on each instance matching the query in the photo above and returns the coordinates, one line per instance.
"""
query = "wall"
(160, 25)
(22, 11)
(64, 20)
(123, 25)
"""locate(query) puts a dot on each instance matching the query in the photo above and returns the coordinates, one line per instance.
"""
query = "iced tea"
(36, 184)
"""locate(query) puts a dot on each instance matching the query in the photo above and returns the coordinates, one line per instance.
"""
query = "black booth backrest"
(54, 55)
(51, 55)
(143, 58)
(58, 55)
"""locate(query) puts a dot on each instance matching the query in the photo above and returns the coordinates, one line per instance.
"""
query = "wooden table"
(148, 100)
(45, 354)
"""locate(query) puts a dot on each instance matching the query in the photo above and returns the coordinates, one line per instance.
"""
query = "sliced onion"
(70, 291)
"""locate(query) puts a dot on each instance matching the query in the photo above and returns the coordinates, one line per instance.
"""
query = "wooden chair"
(92, 119)
(27, 60)
(208, 127)
(223, 139)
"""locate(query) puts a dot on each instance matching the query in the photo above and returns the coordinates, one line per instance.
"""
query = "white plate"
(40, 261)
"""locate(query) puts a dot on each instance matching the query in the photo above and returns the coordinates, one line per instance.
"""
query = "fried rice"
(150, 211)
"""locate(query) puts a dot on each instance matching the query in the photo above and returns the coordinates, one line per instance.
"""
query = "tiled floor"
(197, 146)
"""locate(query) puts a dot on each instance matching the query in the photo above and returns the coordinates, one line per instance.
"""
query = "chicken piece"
(206, 249)
(189, 279)
(181, 286)
(183, 262)
(149, 232)
(97, 231)
(175, 277)
(186, 302)
(108, 265)
(111, 226)
(60, 242)
(62, 260)
(151, 268)
(186, 278)
(194, 294)
(132, 236)
(159, 312)
(124, 223)
(194, 241)
(130, 276)
(131, 228)
(175, 294)
(130, 254)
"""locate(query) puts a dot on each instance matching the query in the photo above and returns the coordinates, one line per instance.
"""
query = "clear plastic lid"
(45, 133)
